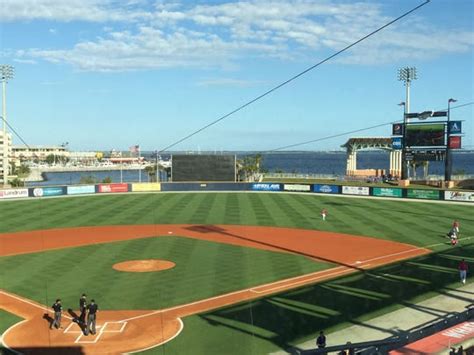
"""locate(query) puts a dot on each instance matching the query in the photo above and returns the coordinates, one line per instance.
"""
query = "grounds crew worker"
(91, 317)
(57, 307)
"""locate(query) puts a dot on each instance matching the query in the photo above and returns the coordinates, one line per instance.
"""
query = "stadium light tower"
(407, 75)
(6, 73)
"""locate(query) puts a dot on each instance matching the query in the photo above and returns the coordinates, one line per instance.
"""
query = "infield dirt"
(135, 330)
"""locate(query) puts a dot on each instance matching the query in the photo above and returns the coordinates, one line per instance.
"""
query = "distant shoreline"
(246, 152)
(37, 173)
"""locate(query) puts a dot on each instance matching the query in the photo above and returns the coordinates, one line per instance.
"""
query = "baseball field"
(223, 273)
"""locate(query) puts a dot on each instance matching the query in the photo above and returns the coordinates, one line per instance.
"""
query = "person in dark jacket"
(82, 309)
(58, 308)
(321, 340)
(92, 309)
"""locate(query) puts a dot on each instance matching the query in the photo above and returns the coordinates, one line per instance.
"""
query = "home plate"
(170, 232)
(358, 262)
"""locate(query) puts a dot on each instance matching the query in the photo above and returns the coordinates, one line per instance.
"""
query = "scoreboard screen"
(425, 135)
(203, 168)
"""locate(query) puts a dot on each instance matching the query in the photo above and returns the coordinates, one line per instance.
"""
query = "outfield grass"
(417, 223)
(256, 327)
(203, 269)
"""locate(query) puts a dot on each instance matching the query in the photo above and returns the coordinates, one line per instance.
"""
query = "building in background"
(40, 154)
(8, 141)
(85, 158)
(37, 154)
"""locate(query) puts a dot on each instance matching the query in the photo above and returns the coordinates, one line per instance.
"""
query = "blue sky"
(108, 74)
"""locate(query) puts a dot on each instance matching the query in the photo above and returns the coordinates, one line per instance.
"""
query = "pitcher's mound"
(144, 265)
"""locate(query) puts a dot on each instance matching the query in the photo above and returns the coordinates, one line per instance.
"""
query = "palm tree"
(17, 182)
(249, 167)
(24, 170)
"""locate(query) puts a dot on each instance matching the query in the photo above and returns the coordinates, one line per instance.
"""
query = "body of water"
(333, 163)
(74, 178)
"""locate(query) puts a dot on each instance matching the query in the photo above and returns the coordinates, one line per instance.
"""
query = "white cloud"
(394, 46)
(25, 61)
(70, 10)
(218, 35)
(150, 48)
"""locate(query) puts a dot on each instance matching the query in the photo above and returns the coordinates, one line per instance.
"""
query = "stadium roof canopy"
(367, 143)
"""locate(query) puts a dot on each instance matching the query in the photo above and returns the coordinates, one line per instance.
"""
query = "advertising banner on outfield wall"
(265, 187)
(387, 192)
(145, 186)
(47, 191)
(355, 190)
(424, 194)
(105, 188)
(13, 193)
(78, 190)
(205, 186)
(459, 196)
(326, 189)
(297, 187)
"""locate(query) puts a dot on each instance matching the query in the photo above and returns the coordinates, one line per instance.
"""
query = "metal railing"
(303, 176)
(351, 178)
(384, 346)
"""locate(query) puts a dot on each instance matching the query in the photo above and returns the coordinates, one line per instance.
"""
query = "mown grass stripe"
(415, 222)
(260, 210)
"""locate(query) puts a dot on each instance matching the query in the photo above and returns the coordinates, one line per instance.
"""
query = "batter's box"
(107, 328)
(74, 327)
(113, 327)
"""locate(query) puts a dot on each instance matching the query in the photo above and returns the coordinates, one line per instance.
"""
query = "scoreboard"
(425, 135)
(203, 168)
(426, 155)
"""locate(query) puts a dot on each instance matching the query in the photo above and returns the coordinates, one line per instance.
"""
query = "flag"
(134, 148)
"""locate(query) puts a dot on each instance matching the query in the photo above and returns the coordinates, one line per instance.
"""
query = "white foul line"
(32, 304)
(254, 290)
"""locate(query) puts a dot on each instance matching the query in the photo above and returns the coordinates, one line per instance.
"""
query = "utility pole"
(157, 169)
(6, 73)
